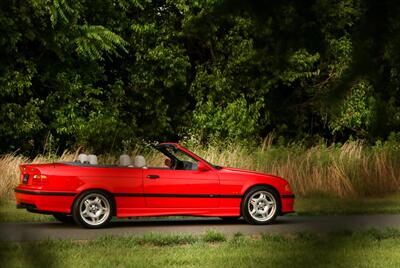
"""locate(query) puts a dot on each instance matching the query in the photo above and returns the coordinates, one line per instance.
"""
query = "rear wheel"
(93, 209)
(62, 217)
(261, 205)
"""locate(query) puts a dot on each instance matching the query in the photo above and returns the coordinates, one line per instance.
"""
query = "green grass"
(304, 206)
(214, 236)
(9, 213)
(360, 249)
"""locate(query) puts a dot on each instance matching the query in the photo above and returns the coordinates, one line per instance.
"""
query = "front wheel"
(93, 209)
(261, 205)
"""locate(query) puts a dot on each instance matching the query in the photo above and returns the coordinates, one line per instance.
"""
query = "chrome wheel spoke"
(253, 211)
(87, 202)
(99, 213)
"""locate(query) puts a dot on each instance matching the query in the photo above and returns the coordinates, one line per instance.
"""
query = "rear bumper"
(32, 208)
(26, 206)
(44, 201)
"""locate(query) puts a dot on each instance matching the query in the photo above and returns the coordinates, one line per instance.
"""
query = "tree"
(104, 73)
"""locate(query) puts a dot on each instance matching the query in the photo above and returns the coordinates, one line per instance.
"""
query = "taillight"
(39, 180)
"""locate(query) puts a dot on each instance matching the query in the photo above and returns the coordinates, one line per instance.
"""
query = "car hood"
(246, 172)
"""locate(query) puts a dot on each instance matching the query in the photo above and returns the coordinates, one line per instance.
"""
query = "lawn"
(370, 248)
(9, 213)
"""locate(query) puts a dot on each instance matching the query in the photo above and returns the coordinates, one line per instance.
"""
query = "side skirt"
(143, 212)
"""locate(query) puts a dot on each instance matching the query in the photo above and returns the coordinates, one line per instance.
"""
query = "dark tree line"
(105, 73)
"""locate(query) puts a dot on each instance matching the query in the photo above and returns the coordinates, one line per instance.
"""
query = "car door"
(168, 188)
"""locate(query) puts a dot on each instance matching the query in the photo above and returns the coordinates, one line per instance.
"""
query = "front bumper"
(287, 202)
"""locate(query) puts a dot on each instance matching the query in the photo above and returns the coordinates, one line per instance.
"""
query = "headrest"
(125, 160)
(83, 158)
(92, 159)
(140, 161)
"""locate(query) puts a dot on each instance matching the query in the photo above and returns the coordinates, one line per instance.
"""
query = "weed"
(213, 236)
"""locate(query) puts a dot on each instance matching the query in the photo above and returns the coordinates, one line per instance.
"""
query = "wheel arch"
(108, 193)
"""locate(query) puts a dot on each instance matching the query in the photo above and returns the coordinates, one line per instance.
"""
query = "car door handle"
(152, 176)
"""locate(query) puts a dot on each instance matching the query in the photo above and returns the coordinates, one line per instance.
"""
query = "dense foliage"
(104, 73)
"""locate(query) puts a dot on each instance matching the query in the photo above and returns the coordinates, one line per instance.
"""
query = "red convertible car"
(91, 194)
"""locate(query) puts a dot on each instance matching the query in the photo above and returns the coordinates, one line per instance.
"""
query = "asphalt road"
(285, 224)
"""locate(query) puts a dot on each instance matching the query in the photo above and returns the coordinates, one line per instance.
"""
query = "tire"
(261, 205)
(93, 209)
(64, 218)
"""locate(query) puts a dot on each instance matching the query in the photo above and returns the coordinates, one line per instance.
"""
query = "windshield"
(214, 166)
(180, 159)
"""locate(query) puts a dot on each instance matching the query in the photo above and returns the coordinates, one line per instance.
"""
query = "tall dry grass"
(349, 170)
(10, 174)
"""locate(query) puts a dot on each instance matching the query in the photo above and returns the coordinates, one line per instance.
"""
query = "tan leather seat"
(83, 158)
(125, 160)
(92, 159)
(140, 161)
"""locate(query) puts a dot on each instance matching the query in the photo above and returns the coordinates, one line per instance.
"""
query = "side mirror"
(202, 167)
